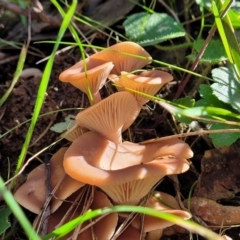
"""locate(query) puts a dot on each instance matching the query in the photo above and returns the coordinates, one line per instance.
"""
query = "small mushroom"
(32, 194)
(90, 81)
(103, 229)
(126, 172)
(111, 116)
(148, 82)
(126, 56)
(154, 226)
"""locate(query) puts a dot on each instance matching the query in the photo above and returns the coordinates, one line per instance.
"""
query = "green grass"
(44, 83)
(207, 114)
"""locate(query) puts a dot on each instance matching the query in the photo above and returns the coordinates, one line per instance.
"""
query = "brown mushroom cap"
(32, 194)
(102, 229)
(161, 202)
(91, 81)
(149, 82)
(126, 56)
(111, 116)
(126, 174)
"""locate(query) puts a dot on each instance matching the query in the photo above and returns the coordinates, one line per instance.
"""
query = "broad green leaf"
(214, 52)
(223, 139)
(209, 99)
(4, 221)
(63, 126)
(226, 87)
(149, 29)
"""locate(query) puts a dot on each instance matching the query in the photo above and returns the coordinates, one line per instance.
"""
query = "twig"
(35, 15)
(182, 135)
(200, 54)
(170, 10)
(46, 213)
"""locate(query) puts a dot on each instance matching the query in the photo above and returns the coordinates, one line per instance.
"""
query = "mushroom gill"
(90, 81)
(32, 194)
(148, 82)
(111, 116)
(127, 171)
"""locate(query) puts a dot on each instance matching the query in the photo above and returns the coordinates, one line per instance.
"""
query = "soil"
(152, 123)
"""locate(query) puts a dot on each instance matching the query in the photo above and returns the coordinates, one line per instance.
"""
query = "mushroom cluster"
(121, 172)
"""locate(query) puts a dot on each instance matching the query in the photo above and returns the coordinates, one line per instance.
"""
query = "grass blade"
(189, 225)
(17, 74)
(44, 83)
(17, 211)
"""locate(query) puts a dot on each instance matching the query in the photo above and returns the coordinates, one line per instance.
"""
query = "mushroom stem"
(154, 235)
(94, 97)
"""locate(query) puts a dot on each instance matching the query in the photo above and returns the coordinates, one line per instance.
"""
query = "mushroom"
(74, 132)
(154, 226)
(102, 229)
(127, 171)
(148, 82)
(130, 233)
(126, 56)
(111, 116)
(89, 80)
(32, 194)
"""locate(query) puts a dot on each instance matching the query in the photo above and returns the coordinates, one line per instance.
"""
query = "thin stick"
(47, 212)
(18, 10)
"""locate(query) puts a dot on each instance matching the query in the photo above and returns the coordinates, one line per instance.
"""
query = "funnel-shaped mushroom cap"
(74, 132)
(32, 194)
(90, 81)
(126, 172)
(149, 82)
(161, 202)
(111, 116)
(102, 229)
(126, 56)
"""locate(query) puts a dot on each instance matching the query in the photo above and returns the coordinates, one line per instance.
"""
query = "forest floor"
(216, 177)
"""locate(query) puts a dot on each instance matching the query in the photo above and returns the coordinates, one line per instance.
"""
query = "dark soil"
(19, 107)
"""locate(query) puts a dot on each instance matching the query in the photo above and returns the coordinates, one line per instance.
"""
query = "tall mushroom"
(148, 82)
(89, 80)
(32, 194)
(111, 116)
(127, 171)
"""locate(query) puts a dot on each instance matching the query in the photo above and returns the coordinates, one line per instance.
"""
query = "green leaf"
(227, 87)
(205, 3)
(214, 52)
(149, 29)
(4, 221)
(187, 102)
(223, 139)
(234, 16)
(209, 99)
(63, 126)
